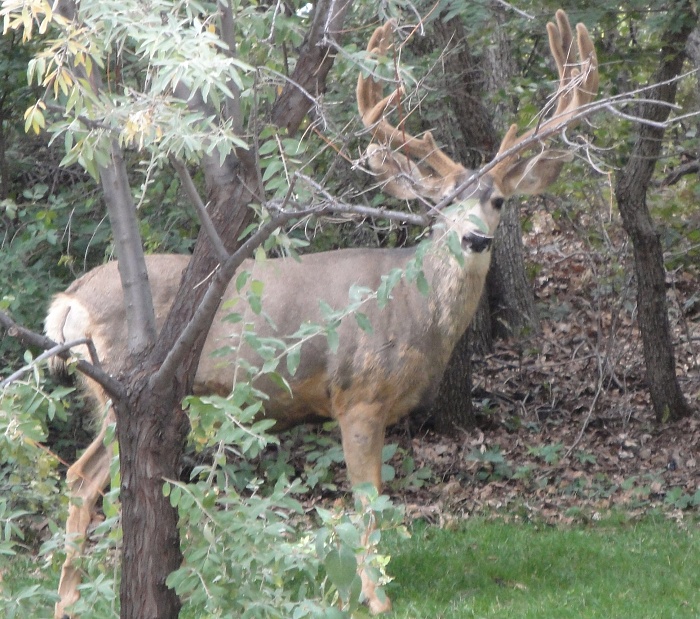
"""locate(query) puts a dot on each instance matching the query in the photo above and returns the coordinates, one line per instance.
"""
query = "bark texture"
(452, 407)
(149, 450)
(464, 85)
(511, 299)
(630, 192)
(476, 141)
(510, 307)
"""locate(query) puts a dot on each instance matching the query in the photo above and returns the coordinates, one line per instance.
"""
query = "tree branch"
(141, 318)
(200, 207)
(212, 299)
(231, 187)
(315, 59)
(691, 167)
(589, 109)
(30, 338)
(51, 353)
(232, 106)
(333, 205)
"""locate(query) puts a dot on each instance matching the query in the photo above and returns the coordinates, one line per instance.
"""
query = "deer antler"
(578, 85)
(421, 169)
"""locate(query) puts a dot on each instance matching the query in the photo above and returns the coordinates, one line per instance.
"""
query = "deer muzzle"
(476, 242)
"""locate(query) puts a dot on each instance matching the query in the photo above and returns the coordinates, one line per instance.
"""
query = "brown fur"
(369, 383)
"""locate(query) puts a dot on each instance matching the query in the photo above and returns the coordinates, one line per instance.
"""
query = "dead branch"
(691, 167)
(30, 338)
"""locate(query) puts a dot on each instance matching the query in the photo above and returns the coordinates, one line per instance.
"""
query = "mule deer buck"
(375, 376)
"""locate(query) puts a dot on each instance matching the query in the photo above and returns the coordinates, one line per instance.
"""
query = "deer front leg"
(87, 479)
(362, 429)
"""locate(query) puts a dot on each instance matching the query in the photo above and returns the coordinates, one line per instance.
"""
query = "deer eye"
(497, 203)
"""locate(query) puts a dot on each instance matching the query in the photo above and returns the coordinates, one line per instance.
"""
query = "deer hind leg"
(87, 479)
(362, 428)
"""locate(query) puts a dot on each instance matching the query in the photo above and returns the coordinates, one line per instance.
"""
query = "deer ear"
(534, 174)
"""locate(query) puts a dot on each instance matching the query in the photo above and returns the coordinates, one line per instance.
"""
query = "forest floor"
(566, 429)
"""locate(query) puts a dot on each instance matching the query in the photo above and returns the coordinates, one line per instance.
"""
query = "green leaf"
(257, 287)
(422, 284)
(267, 148)
(293, 359)
(455, 247)
(341, 567)
(175, 495)
(480, 223)
(363, 322)
(241, 280)
(255, 302)
(333, 339)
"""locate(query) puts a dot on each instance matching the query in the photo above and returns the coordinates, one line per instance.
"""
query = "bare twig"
(332, 204)
(608, 104)
(113, 388)
(510, 7)
(51, 353)
(200, 207)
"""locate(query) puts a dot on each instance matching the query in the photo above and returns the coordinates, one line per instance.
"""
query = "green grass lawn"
(608, 570)
(490, 568)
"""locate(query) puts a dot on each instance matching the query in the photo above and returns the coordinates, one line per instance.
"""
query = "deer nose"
(476, 242)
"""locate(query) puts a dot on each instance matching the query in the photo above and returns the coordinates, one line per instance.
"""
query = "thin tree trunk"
(510, 293)
(464, 85)
(511, 301)
(477, 140)
(630, 192)
(4, 169)
(453, 406)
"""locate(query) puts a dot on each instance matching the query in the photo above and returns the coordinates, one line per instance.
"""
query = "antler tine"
(578, 83)
(575, 88)
(370, 91)
(430, 169)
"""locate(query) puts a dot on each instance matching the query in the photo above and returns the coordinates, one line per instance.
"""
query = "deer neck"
(455, 288)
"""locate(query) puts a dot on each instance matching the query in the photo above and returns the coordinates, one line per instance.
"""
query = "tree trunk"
(630, 192)
(452, 407)
(152, 429)
(151, 433)
(477, 140)
(151, 426)
(4, 168)
(508, 306)
(464, 84)
(511, 300)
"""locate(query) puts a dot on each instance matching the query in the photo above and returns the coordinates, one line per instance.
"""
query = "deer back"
(399, 358)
